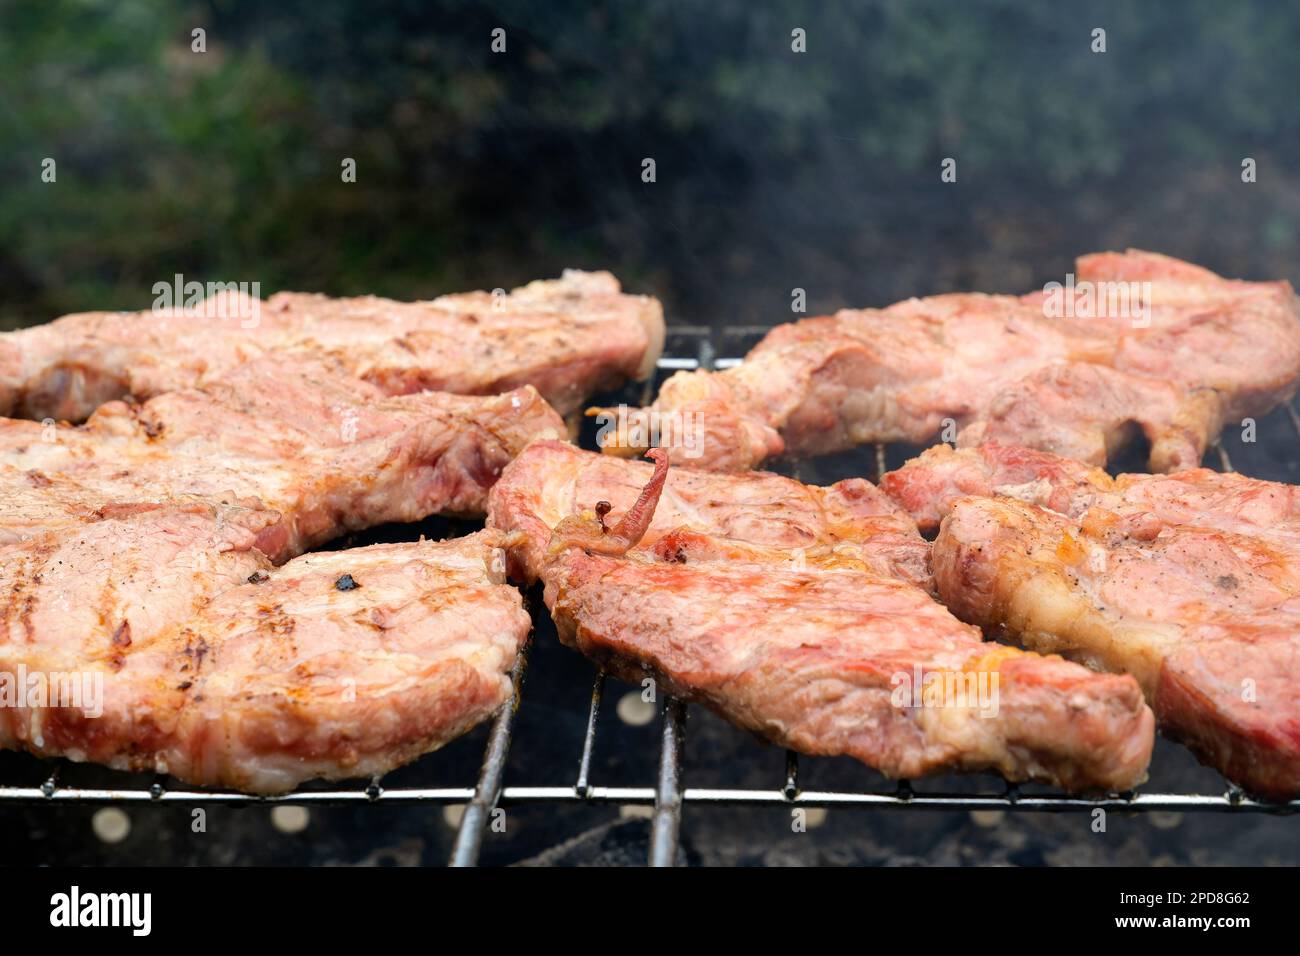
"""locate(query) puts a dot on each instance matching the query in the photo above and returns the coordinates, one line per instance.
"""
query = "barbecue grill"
(667, 793)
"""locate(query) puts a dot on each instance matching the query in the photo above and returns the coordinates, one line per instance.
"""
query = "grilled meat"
(551, 480)
(1189, 582)
(1089, 412)
(799, 618)
(566, 337)
(330, 453)
(222, 670)
(928, 485)
(1178, 355)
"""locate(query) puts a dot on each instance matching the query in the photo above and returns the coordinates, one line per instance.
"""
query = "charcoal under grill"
(691, 348)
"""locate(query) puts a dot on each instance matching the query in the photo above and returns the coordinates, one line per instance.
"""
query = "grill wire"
(667, 796)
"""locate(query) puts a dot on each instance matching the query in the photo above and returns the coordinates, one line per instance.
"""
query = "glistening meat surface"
(813, 647)
(1189, 582)
(221, 670)
(566, 337)
(1180, 354)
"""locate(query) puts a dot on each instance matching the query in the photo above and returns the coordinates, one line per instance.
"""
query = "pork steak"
(1189, 582)
(330, 453)
(551, 480)
(222, 670)
(829, 648)
(1179, 355)
(566, 337)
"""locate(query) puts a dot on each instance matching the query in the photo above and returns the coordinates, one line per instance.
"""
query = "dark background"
(775, 170)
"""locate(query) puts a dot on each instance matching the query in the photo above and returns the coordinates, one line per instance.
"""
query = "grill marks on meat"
(1189, 582)
(238, 674)
(804, 647)
(330, 453)
(566, 337)
(1206, 351)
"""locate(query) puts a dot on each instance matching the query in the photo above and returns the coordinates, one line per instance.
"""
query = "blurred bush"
(774, 168)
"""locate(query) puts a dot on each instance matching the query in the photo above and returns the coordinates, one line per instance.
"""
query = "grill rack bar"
(667, 797)
(474, 822)
(903, 797)
(583, 786)
(666, 822)
(667, 819)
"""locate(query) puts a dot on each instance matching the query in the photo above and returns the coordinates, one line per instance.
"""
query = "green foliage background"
(775, 169)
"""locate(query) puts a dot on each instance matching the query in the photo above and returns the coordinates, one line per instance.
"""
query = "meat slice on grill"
(1179, 355)
(1089, 412)
(927, 486)
(551, 480)
(330, 453)
(566, 337)
(815, 649)
(222, 670)
(1189, 582)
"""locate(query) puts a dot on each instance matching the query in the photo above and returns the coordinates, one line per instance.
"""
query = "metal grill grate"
(667, 795)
